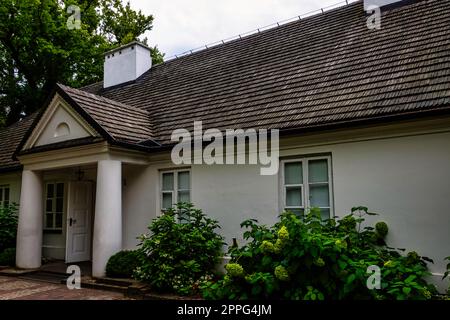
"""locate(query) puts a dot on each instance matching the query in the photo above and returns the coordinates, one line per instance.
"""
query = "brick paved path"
(12, 288)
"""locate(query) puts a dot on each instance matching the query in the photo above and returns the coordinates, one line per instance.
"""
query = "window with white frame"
(54, 206)
(4, 196)
(175, 187)
(307, 184)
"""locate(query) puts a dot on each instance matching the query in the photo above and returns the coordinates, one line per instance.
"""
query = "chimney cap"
(133, 43)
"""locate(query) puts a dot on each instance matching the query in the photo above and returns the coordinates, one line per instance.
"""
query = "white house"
(363, 114)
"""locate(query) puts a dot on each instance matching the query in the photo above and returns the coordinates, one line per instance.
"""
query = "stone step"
(13, 272)
(90, 284)
(115, 281)
(49, 277)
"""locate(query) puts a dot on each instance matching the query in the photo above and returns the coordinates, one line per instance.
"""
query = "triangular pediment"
(59, 123)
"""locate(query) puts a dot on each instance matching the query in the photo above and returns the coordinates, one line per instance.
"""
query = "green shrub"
(181, 251)
(122, 264)
(8, 257)
(8, 227)
(310, 259)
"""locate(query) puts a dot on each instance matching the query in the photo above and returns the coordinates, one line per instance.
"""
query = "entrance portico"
(68, 217)
(107, 226)
(97, 227)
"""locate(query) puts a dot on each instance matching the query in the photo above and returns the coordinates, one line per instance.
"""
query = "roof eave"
(384, 119)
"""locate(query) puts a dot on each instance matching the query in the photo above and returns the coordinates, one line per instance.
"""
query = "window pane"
(325, 214)
(50, 189)
(49, 205)
(166, 200)
(49, 220)
(293, 173)
(183, 180)
(298, 212)
(318, 170)
(60, 190)
(319, 196)
(184, 196)
(58, 220)
(59, 205)
(6, 194)
(294, 197)
(167, 181)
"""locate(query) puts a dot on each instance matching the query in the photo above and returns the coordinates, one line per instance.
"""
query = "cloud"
(181, 25)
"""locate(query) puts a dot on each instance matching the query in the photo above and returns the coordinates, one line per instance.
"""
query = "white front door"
(79, 218)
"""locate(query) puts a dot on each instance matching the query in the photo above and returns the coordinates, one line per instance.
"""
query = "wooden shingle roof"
(10, 139)
(122, 122)
(325, 70)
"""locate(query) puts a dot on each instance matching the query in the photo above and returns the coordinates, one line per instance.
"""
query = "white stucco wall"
(234, 193)
(406, 181)
(139, 202)
(405, 177)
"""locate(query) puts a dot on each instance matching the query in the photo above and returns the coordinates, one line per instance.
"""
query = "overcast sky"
(181, 25)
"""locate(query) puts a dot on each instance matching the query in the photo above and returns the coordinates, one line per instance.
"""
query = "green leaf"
(342, 264)
(351, 278)
(410, 278)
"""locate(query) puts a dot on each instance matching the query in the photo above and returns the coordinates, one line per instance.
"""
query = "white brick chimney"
(126, 63)
(378, 3)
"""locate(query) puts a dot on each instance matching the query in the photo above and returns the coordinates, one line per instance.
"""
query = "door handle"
(72, 221)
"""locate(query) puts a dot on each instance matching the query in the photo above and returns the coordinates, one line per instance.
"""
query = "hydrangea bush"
(310, 259)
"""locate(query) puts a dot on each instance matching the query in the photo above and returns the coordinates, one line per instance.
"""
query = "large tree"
(38, 49)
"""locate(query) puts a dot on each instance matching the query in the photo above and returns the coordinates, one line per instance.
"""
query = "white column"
(29, 232)
(108, 215)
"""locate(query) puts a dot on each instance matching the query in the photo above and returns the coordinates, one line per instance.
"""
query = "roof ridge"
(312, 14)
(20, 121)
(90, 85)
